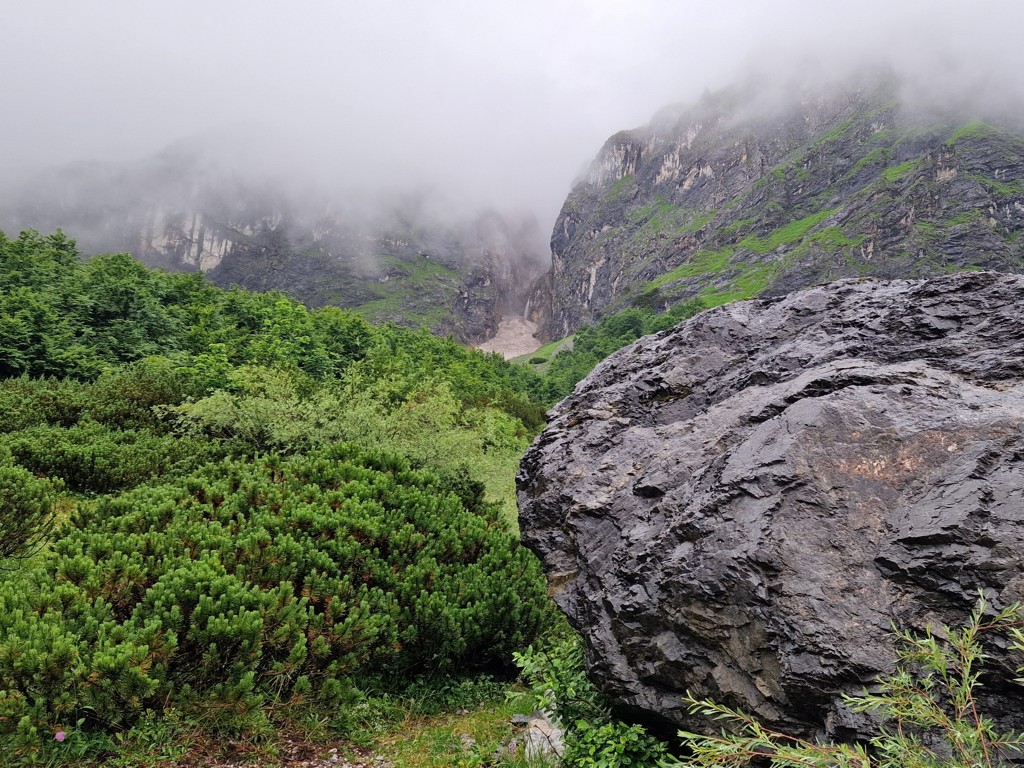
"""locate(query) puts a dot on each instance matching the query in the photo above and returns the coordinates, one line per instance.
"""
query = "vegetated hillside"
(738, 196)
(263, 511)
(400, 260)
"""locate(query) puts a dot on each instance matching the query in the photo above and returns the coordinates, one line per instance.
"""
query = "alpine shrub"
(26, 510)
(256, 582)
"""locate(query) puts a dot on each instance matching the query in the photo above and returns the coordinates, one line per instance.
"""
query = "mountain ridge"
(728, 199)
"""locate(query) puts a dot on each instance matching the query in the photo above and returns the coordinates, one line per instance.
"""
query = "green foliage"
(622, 188)
(703, 262)
(662, 218)
(975, 129)
(65, 318)
(293, 575)
(966, 217)
(929, 707)
(839, 132)
(897, 172)
(253, 583)
(790, 233)
(558, 683)
(878, 157)
(611, 745)
(834, 238)
(1013, 188)
(26, 510)
(595, 342)
(93, 458)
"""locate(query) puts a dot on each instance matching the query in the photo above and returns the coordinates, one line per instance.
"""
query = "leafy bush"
(611, 745)
(257, 582)
(26, 402)
(63, 317)
(593, 738)
(929, 707)
(594, 343)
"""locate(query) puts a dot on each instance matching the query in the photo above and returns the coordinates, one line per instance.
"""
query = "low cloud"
(476, 103)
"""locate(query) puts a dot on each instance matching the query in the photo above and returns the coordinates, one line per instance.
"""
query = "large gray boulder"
(744, 505)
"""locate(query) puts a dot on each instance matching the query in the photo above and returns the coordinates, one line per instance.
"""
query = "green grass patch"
(897, 172)
(549, 352)
(754, 280)
(620, 188)
(658, 209)
(837, 133)
(743, 225)
(856, 264)
(835, 238)
(975, 129)
(399, 305)
(661, 216)
(790, 233)
(877, 156)
(417, 292)
(928, 230)
(1014, 188)
(703, 262)
(964, 218)
(469, 736)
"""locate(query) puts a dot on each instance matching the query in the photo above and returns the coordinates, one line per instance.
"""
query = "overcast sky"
(502, 102)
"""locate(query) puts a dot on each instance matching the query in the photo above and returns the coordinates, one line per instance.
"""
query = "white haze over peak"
(490, 103)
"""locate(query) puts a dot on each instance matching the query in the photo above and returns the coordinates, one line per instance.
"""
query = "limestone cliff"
(741, 195)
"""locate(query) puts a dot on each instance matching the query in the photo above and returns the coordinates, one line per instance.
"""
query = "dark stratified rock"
(744, 505)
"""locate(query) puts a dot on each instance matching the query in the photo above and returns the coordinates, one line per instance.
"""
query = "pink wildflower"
(60, 736)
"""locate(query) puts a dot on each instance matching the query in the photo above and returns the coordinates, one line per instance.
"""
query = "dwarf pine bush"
(26, 510)
(265, 581)
(93, 458)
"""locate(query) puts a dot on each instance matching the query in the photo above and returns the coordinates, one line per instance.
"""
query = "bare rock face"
(740, 195)
(743, 505)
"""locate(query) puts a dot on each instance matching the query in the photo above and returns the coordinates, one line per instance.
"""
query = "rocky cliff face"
(390, 262)
(742, 506)
(735, 197)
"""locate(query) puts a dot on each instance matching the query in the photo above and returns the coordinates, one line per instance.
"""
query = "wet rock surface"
(744, 505)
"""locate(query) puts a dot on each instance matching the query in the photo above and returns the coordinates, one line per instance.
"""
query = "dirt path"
(514, 338)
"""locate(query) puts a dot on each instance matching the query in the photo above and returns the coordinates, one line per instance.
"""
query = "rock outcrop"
(745, 194)
(744, 505)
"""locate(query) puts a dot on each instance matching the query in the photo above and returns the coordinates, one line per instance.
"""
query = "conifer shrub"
(27, 402)
(256, 582)
(92, 458)
(125, 397)
(26, 510)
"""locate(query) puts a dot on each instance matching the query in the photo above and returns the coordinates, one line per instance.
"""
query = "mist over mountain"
(356, 155)
(496, 106)
(403, 256)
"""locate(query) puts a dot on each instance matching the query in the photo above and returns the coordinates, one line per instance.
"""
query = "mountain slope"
(732, 198)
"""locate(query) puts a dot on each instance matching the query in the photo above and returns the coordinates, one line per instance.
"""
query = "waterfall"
(526, 312)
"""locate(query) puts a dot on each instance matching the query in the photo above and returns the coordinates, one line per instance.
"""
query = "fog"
(489, 104)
